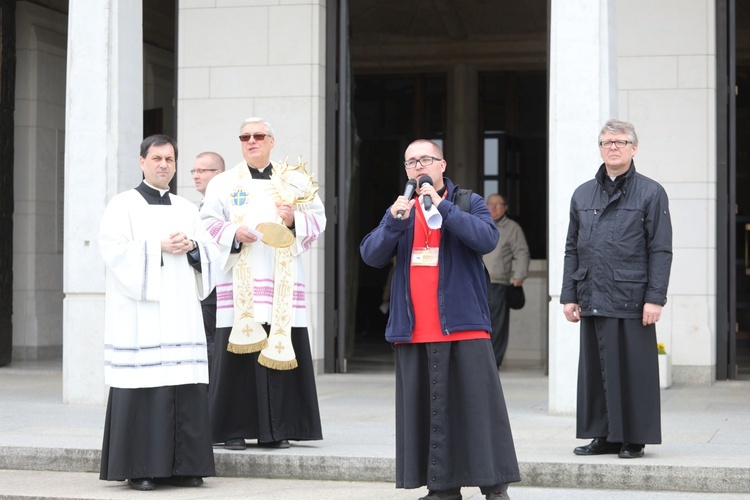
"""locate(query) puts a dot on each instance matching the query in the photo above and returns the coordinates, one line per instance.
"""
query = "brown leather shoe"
(599, 446)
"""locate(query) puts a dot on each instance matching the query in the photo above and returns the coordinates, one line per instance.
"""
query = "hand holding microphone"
(433, 217)
(426, 200)
(411, 186)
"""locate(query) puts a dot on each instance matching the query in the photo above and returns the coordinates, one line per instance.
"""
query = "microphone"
(426, 200)
(411, 185)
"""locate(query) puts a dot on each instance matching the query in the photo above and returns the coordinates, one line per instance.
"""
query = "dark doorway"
(513, 143)
(742, 227)
(416, 69)
(741, 346)
(390, 111)
(7, 105)
(733, 190)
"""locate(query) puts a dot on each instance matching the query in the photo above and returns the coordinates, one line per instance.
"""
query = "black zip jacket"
(618, 253)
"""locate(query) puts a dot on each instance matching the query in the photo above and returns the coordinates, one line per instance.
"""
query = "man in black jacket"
(618, 255)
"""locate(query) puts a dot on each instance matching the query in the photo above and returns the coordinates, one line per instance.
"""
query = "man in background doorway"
(508, 265)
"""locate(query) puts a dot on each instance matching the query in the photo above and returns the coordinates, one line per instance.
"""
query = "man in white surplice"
(159, 261)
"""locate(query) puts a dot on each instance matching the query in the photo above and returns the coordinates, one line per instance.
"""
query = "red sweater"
(424, 286)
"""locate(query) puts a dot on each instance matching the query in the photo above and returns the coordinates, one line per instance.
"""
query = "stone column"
(104, 123)
(583, 95)
(462, 156)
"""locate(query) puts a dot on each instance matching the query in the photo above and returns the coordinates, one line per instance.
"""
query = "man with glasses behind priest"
(263, 216)
(206, 166)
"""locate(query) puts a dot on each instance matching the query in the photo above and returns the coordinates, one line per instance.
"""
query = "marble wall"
(267, 60)
(667, 89)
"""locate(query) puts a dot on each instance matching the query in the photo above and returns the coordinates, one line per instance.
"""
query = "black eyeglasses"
(202, 170)
(426, 161)
(257, 137)
(618, 144)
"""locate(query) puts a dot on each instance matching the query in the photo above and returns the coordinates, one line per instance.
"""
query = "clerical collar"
(162, 192)
(152, 195)
(612, 185)
(263, 173)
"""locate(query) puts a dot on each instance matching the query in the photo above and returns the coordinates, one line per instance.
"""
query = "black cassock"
(157, 431)
(618, 381)
(248, 400)
(452, 426)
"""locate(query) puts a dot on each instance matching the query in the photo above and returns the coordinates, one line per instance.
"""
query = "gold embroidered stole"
(253, 202)
(247, 334)
(279, 353)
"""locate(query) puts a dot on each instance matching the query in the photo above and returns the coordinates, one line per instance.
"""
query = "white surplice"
(154, 332)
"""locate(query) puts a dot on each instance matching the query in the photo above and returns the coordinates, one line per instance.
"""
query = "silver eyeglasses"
(426, 161)
(200, 171)
(618, 144)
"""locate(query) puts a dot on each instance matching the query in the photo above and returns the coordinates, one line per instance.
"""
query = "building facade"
(515, 91)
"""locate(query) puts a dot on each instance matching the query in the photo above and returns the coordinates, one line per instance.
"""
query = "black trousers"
(208, 306)
(500, 317)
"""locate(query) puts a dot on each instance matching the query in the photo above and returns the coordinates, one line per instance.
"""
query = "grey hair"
(255, 119)
(618, 126)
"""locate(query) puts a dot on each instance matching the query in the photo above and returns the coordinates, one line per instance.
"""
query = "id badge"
(425, 257)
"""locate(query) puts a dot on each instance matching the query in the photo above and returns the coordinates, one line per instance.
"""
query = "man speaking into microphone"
(452, 427)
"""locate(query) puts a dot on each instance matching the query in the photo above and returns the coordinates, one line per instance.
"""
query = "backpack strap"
(463, 199)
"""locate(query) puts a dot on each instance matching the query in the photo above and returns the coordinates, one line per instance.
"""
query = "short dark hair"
(434, 144)
(157, 140)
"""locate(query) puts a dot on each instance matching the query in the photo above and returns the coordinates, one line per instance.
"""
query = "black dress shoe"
(631, 450)
(454, 494)
(284, 443)
(235, 444)
(142, 483)
(599, 446)
(188, 481)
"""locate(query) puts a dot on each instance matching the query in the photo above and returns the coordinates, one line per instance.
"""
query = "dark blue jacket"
(462, 284)
(618, 253)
